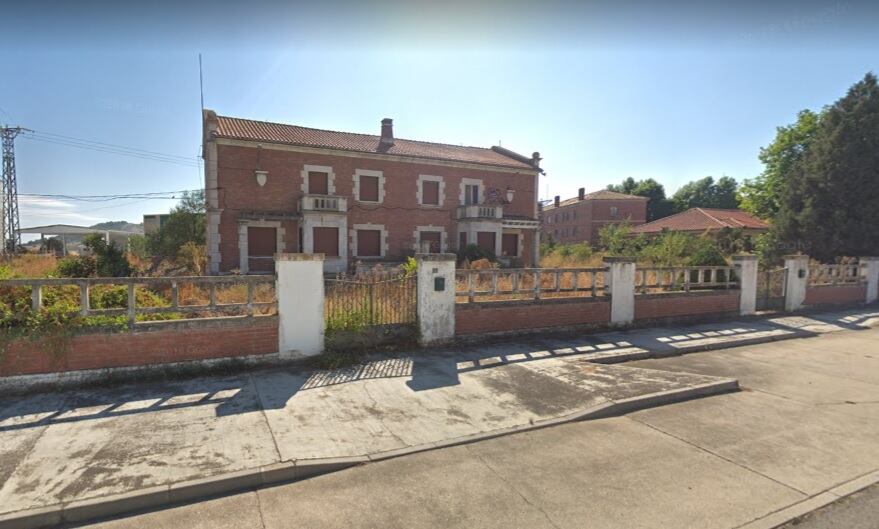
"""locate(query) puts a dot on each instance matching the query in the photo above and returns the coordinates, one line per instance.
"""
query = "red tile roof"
(602, 194)
(246, 129)
(702, 219)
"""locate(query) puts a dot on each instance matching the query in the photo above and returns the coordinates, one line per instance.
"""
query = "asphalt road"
(806, 421)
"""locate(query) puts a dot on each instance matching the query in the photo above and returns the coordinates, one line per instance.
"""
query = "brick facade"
(487, 317)
(693, 304)
(580, 219)
(399, 214)
(836, 295)
(141, 348)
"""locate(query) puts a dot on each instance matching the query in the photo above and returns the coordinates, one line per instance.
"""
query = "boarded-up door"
(430, 241)
(262, 244)
(317, 183)
(326, 241)
(485, 240)
(510, 245)
(369, 243)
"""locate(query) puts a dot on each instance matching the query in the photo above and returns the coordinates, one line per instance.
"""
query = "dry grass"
(31, 265)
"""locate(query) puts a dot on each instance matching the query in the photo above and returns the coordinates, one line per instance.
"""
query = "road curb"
(812, 503)
(286, 472)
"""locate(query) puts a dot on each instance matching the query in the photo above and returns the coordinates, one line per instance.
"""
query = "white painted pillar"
(871, 271)
(436, 297)
(746, 269)
(621, 278)
(797, 280)
(300, 290)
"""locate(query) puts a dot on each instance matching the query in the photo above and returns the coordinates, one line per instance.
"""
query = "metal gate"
(356, 304)
(771, 289)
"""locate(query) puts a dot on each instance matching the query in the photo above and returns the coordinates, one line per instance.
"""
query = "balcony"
(323, 204)
(480, 211)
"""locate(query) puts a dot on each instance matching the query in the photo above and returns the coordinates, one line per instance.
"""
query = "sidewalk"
(74, 452)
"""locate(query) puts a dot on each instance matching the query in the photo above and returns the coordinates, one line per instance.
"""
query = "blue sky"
(675, 93)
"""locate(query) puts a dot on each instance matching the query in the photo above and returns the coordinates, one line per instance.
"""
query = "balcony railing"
(480, 211)
(329, 203)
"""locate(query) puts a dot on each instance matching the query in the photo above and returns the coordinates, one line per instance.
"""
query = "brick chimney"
(535, 159)
(557, 201)
(387, 132)
(581, 193)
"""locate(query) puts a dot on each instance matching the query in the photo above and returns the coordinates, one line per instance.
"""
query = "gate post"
(871, 270)
(797, 281)
(436, 297)
(746, 269)
(621, 279)
(300, 290)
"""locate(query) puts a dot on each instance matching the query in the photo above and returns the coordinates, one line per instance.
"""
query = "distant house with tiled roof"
(701, 220)
(274, 188)
(579, 219)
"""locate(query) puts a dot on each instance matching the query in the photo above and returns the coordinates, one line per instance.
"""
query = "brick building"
(580, 218)
(357, 197)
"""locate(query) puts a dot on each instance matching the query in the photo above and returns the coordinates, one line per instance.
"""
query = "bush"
(193, 257)
(473, 252)
(77, 266)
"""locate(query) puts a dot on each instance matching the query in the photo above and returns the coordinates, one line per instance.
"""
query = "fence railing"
(511, 284)
(355, 303)
(684, 279)
(836, 274)
(203, 294)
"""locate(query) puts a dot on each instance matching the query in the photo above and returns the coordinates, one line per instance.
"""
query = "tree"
(828, 203)
(659, 206)
(186, 223)
(762, 195)
(705, 193)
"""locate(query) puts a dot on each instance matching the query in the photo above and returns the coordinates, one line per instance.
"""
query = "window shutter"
(326, 241)
(318, 183)
(369, 243)
(369, 188)
(430, 193)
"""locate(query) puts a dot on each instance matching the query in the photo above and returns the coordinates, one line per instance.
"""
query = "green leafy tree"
(137, 246)
(186, 223)
(659, 205)
(762, 195)
(617, 240)
(828, 205)
(706, 193)
(104, 260)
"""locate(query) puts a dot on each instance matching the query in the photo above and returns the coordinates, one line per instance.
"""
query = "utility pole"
(9, 217)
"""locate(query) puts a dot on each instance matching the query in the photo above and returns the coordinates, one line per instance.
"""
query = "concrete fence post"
(797, 280)
(871, 271)
(621, 280)
(746, 269)
(436, 298)
(300, 291)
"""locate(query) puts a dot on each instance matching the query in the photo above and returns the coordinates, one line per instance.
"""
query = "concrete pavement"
(800, 435)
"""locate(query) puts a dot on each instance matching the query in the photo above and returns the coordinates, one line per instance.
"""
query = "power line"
(112, 149)
(157, 195)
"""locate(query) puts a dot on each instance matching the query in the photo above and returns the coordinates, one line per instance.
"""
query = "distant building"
(701, 220)
(152, 223)
(579, 219)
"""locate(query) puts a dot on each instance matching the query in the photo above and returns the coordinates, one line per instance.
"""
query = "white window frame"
(383, 241)
(444, 241)
(331, 177)
(244, 251)
(462, 198)
(381, 185)
(419, 195)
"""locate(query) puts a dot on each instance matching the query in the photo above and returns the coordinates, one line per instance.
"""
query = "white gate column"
(300, 291)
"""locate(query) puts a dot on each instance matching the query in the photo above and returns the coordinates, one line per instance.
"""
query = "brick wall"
(693, 304)
(400, 212)
(591, 216)
(140, 348)
(835, 295)
(487, 317)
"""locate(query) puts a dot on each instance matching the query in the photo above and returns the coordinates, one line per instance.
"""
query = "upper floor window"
(614, 211)
(318, 180)
(318, 183)
(430, 190)
(472, 191)
(369, 186)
